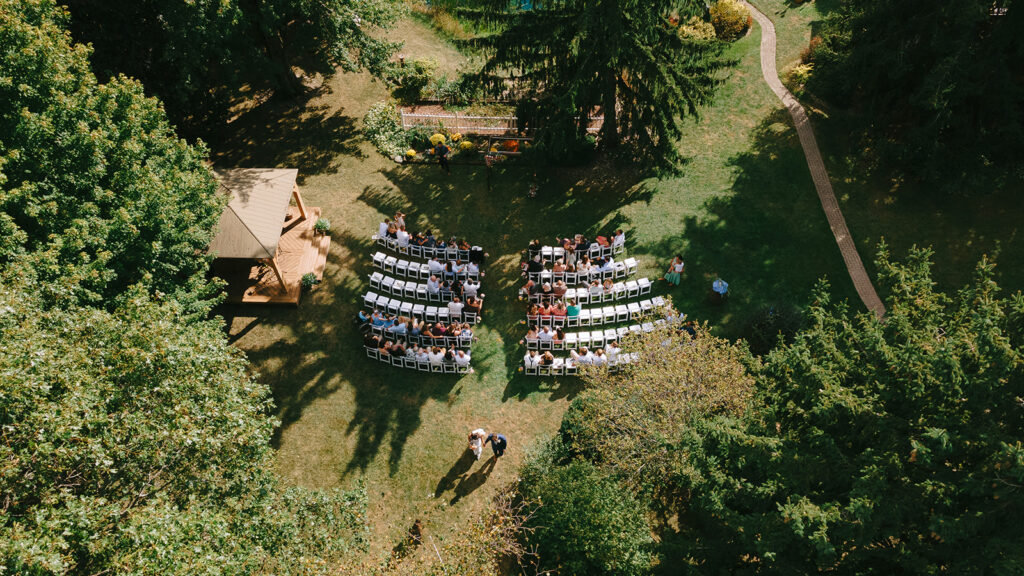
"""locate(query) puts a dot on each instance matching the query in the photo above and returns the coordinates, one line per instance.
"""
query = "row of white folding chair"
(405, 362)
(408, 289)
(424, 252)
(422, 340)
(600, 316)
(591, 339)
(626, 267)
(620, 291)
(596, 251)
(410, 269)
(375, 301)
(567, 367)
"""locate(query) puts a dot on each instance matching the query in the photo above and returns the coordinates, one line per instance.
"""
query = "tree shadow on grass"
(296, 133)
(769, 239)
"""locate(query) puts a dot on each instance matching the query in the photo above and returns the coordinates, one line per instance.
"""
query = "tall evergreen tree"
(569, 58)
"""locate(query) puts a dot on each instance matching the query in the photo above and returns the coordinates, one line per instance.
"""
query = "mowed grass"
(744, 208)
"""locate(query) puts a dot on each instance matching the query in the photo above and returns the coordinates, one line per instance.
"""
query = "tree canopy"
(862, 446)
(96, 191)
(940, 81)
(135, 442)
(625, 58)
(199, 56)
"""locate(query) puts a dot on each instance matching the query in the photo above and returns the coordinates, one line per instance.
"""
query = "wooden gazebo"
(265, 241)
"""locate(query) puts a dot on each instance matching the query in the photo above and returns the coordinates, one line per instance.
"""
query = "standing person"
(498, 444)
(675, 270)
(476, 441)
(441, 151)
(719, 289)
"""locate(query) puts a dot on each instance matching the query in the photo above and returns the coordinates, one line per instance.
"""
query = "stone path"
(861, 280)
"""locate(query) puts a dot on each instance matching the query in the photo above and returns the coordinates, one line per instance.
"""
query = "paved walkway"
(861, 280)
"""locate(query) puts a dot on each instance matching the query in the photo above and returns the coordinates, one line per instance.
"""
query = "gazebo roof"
(250, 226)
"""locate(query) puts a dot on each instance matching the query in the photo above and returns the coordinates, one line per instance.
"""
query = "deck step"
(320, 263)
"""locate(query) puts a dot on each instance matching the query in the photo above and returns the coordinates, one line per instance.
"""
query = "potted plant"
(309, 280)
(322, 226)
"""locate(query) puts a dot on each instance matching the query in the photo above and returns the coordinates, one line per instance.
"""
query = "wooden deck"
(299, 251)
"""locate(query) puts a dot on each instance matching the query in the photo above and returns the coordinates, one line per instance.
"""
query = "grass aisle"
(745, 208)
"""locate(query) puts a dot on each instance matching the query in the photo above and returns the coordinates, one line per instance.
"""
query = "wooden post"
(272, 262)
(298, 201)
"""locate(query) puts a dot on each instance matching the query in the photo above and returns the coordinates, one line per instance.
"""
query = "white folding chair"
(620, 270)
(378, 259)
(571, 340)
(631, 265)
(394, 305)
(418, 310)
(371, 352)
(635, 311)
(430, 315)
(375, 280)
(389, 264)
(608, 314)
(621, 313)
(407, 308)
(632, 288)
(645, 286)
(370, 300)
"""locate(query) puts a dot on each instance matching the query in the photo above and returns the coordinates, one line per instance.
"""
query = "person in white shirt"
(619, 240)
(470, 288)
(608, 265)
(461, 358)
(546, 335)
(583, 356)
(433, 286)
(436, 356)
(531, 360)
(403, 237)
(382, 229)
(472, 269)
(422, 355)
(599, 358)
(435, 266)
(476, 441)
(455, 308)
(613, 352)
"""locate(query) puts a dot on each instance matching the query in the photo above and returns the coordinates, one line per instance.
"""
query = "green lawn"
(744, 208)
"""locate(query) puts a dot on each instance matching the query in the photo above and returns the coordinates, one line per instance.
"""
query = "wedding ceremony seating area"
(423, 301)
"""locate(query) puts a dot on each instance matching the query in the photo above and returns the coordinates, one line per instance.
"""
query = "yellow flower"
(494, 148)
(456, 137)
(465, 144)
(410, 153)
(437, 139)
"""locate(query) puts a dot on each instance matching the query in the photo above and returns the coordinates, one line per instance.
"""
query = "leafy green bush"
(730, 19)
(309, 280)
(451, 91)
(697, 29)
(412, 78)
(586, 524)
(418, 137)
(383, 126)
(797, 78)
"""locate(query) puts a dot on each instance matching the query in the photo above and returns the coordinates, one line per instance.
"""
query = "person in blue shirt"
(498, 444)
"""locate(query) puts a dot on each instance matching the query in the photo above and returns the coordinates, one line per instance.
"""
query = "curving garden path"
(861, 280)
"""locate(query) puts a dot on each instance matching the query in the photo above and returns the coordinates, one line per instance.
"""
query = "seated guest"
(438, 330)
(546, 335)
(609, 286)
(583, 356)
(531, 360)
(382, 228)
(415, 327)
(545, 290)
(477, 255)
(400, 328)
(531, 334)
(371, 340)
(595, 289)
(608, 265)
(474, 306)
(402, 237)
(572, 309)
(433, 286)
(545, 311)
(362, 317)
(559, 336)
(462, 358)
(392, 232)
(612, 352)
(428, 239)
(470, 288)
(472, 269)
(547, 359)
(582, 244)
(436, 356)
(558, 310)
(570, 257)
(455, 308)
(533, 311)
(599, 358)
(534, 265)
(619, 239)
(528, 289)
(397, 349)
(435, 266)
(465, 332)
(378, 318)
(533, 250)
(559, 266)
(457, 288)
(559, 289)
(422, 354)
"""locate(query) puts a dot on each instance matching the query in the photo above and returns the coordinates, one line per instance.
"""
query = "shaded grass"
(743, 208)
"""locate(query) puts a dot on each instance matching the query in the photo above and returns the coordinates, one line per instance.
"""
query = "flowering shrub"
(697, 29)
(456, 137)
(437, 139)
(466, 145)
(410, 153)
(730, 19)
